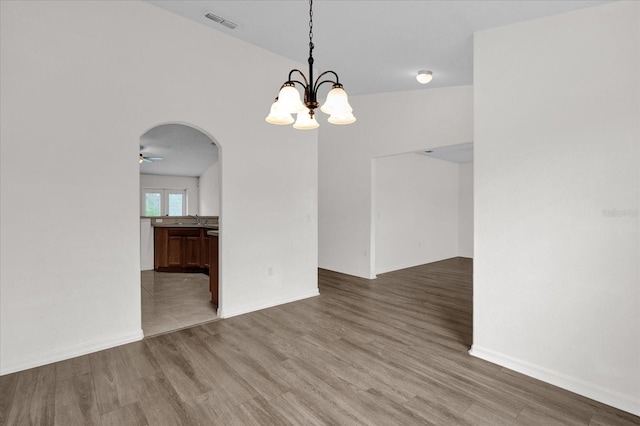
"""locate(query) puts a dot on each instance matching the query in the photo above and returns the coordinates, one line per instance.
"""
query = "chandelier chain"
(310, 25)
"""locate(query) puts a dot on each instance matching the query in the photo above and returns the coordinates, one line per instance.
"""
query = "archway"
(180, 187)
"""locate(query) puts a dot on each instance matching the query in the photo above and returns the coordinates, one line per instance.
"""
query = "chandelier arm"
(306, 83)
(318, 83)
(303, 85)
(321, 83)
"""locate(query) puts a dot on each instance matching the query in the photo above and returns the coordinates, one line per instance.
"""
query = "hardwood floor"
(172, 301)
(392, 351)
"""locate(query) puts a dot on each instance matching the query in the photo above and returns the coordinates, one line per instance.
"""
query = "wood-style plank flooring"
(392, 351)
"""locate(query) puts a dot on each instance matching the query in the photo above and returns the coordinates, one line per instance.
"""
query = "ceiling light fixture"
(145, 159)
(424, 76)
(288, 101)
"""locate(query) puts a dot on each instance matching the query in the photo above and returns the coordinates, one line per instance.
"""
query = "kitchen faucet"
(196, 218)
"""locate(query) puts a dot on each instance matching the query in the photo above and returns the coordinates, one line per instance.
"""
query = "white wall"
(209, 190)
(388, 124)
(465, 212)
(76, 87)
(557, 188)
(189, 184)
(415, 210)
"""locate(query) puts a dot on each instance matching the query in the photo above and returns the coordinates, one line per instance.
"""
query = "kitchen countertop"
(185, 225)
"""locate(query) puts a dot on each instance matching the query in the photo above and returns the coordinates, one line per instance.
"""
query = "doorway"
(182, 160)
(422, 207)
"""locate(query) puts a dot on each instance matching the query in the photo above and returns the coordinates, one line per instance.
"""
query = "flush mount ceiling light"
(288, 101)
(424, 76)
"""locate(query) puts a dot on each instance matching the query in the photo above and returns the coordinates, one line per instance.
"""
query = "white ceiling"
(186, 151)
(374, 47)
(461, 153)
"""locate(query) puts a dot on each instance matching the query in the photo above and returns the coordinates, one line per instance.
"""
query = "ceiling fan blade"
(146, 160)
(155, 158)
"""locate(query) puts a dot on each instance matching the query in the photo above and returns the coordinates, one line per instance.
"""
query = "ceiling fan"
(145, 159)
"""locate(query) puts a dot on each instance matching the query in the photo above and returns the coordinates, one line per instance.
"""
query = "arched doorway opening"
(180, 186)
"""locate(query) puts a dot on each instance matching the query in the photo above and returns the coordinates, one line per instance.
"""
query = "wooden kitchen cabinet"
(205, 250)
(174, 250)
(191, 253)
(213, 269)
(178, 249)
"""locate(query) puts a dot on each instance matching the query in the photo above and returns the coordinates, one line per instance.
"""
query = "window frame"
(164, 200)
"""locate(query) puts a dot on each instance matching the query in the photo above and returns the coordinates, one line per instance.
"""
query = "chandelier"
(288, 101)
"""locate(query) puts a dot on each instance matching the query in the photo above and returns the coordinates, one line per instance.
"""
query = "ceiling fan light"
(278, 116)
(424, 76)
(289, 99)
(306, 121)
(342, 118)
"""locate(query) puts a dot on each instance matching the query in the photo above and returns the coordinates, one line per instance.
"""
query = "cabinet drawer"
(186, 232)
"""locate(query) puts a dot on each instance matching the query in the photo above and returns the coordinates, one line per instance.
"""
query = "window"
(164, 202)
(175, 203)
(152, 204)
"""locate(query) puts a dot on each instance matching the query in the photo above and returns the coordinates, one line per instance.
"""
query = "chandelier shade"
(289, 102)
(337, 101)
(278, 116)
(305, 121)
(289, 99)
(342, 118)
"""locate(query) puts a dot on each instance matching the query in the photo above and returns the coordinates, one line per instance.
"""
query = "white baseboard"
(252, 308)
(346, 272)
(606, 396)
(45, 358)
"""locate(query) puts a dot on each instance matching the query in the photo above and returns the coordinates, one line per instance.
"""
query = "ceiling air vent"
(221, 20)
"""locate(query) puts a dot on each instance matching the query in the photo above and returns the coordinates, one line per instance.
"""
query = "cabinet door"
(192, 252)
(174, 250)
(213, 269)
(160, 248)
(204, 251)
